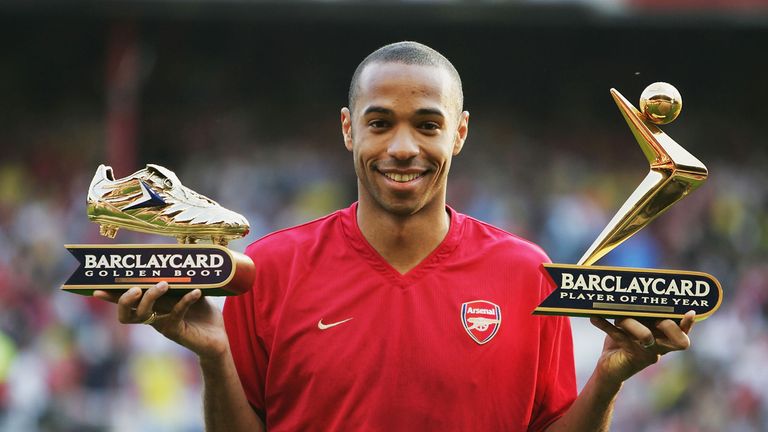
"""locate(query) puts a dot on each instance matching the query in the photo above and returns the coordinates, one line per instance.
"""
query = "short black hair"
(410, 53)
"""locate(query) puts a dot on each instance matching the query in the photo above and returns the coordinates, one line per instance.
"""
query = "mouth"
(402, 177)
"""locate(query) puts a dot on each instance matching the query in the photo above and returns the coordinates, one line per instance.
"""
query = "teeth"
(402, 178)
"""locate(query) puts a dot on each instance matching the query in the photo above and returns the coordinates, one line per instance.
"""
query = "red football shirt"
(331, 337)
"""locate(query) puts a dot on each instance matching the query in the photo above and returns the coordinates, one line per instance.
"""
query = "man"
(398, 313)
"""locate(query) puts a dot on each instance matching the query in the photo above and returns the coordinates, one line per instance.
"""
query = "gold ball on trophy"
(661, 103)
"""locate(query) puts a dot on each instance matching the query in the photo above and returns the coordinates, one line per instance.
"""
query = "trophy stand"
(153, 200)
(587, 290)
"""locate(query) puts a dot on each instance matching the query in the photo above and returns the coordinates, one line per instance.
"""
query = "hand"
(630, 346)
(188, 321)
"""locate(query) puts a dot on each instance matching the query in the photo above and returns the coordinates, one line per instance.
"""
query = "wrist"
(607, 383)
(214, 357)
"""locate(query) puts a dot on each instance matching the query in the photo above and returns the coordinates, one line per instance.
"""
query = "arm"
(198, 326)
(629, 348)
(224, 403)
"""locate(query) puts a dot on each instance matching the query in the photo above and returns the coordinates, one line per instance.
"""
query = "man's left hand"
(631, 346)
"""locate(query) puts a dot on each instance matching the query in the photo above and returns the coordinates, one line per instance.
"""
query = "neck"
(403, 240)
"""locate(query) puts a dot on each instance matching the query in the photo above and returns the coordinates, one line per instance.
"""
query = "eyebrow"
(387, 111)
(378, 110)
(430, 111)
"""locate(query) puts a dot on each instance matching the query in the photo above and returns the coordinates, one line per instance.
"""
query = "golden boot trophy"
(153, 200)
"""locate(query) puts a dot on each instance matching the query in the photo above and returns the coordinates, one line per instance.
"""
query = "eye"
(378, 124)
(430, 126)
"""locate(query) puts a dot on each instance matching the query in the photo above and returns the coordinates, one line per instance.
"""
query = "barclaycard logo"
(119, 261)
(621, 291)
(118, 265)
(101, 265)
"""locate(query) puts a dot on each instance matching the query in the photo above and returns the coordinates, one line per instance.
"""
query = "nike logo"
(148, 198)
(322, 326)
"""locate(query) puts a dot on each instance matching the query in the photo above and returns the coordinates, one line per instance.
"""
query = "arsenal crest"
(481, 319)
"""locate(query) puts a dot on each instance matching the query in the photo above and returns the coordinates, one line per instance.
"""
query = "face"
(405, 129)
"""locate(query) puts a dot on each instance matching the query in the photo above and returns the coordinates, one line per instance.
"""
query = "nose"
(403, 146)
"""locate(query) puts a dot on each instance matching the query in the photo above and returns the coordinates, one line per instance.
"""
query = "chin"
(402, 210)
(401, 207)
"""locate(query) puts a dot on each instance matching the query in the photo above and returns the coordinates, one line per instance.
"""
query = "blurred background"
(241, 99)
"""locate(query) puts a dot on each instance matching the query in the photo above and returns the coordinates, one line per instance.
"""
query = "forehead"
(394, 85)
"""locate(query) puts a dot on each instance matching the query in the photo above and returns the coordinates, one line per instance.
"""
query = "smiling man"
(403, 127)
(398, 313)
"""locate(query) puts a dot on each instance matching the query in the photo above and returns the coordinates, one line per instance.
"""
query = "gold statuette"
(153, 200)
(674, 173)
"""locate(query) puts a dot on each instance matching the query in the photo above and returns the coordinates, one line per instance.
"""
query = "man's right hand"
(188, 321)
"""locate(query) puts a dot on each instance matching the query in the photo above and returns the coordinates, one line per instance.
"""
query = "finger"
(611, 330)
(126, 304)
(637, 331)
(676, 339)
(145, 308)
(181, 308)
(109, 296)
(689, 319)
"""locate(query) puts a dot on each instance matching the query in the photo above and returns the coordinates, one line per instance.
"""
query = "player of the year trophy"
(153, 200)
(587, 290)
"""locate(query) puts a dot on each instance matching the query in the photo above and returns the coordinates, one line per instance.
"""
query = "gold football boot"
(153, 200)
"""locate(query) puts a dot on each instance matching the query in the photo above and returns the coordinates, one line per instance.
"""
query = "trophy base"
(213, 269)
(614, 292)
(172, 291)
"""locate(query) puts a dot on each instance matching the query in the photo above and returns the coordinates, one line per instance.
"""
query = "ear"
(346, 127)
(461, 132)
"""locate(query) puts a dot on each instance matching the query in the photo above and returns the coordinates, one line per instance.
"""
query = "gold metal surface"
(153, 200)
(661, 103)
(673, 174)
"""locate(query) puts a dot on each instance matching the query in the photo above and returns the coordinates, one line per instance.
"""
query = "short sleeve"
(556, 374)
(248, 351)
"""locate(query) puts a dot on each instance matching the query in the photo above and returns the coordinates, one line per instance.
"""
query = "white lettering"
(673, 288)
(175, 261)
(163, 260)
(566, 281)
(702, 288)
(481, 311)
(594, 282)
(90, 261)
